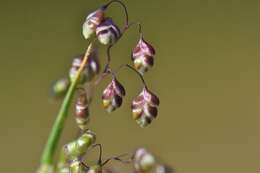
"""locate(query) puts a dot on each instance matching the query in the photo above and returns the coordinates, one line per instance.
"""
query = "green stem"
(53, 139)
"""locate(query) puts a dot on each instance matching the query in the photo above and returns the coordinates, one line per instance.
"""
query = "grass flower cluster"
(86, 72)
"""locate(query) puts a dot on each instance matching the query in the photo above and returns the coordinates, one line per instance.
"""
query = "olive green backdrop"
(206, 73)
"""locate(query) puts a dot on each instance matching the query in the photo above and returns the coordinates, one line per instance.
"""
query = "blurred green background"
(207, 76)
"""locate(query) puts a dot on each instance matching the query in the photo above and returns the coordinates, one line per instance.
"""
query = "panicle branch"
(82, 76)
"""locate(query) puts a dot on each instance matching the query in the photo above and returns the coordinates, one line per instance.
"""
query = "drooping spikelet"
(144, 107)
(113, 95)
(107, 32)
(143, 56)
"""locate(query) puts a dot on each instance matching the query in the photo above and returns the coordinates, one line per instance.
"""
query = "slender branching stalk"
(82, 73)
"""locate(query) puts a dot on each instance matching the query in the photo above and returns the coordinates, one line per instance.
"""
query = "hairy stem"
(51, 145)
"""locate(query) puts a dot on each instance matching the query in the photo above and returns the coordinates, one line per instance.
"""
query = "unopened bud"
(78, 148)
(60, 87)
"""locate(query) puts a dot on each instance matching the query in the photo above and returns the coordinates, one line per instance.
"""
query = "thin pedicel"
(125, 9)
(134, 70)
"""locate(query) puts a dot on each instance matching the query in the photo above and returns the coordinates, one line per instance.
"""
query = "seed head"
(144, 161)
(76, 149)
(91, 69)
(113, 95)
(143, 56)
(82, 111)
(91, 22)
(144, 107)
(107, 32)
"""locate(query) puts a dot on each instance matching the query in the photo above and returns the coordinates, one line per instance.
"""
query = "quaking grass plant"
(85, 74)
